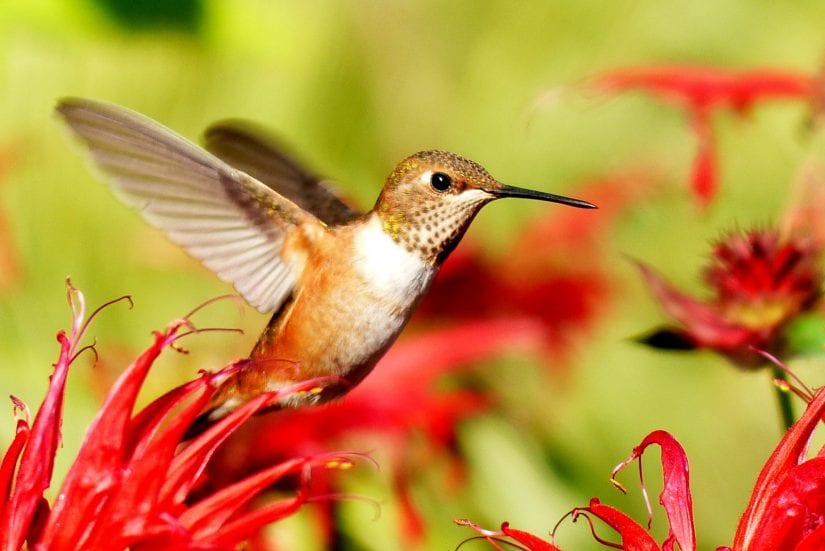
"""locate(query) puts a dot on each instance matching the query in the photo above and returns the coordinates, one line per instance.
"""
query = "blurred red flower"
(133, 485)
(760, 282)
(700, 90)
(786, 509)
(556, 272)
(397, 403)
(10, 265)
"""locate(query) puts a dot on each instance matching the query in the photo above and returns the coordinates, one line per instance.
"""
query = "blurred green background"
(355, 86)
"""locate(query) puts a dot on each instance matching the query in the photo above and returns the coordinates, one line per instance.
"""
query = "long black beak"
(511, 191)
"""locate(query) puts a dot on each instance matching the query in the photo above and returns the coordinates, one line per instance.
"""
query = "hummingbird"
(341, 284)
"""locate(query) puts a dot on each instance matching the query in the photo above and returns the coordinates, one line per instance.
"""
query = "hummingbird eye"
(440, 181)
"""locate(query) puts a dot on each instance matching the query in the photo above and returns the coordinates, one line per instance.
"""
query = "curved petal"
(787, 455)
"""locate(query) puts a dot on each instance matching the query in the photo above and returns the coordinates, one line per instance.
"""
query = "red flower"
(132, 484)
(760, 283)
(787, 506)
(675, 498)
(699, 90)
(786, 510)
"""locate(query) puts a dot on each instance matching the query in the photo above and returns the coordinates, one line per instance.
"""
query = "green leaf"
(806, 334)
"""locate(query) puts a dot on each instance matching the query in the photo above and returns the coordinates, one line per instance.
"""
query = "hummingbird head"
(431, 197)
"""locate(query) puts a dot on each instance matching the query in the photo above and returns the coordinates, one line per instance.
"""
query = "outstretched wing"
(250, 149)
(234, 224)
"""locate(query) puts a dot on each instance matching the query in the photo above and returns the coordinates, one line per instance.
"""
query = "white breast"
(394, 273)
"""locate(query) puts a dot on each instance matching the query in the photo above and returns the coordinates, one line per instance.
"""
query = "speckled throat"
(431, 229)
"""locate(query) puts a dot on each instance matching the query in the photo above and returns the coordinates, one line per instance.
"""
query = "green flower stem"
(783, 400)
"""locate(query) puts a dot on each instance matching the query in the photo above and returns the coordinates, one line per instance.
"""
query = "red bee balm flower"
(133, 485)
(786, 509)
(761, 282)
(675, 498)
(700, 90)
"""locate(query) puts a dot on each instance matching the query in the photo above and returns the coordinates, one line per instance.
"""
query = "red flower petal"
(7, 468)
(96, 471)
(145, 423)
(704, 86)
(704, 174)
(37, 459)
(675, 496)
(205, 518)
(815, 541)
(797, 508)
(533, 543)
(493, 537)
(702, 322)
(765, 503)
(133, 505)
(251, 523)
(215, 519)
(188, 465)
(416, 363)
(634, 536)
(698, 90)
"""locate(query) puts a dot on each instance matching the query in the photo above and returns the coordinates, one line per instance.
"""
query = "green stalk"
(783, 400)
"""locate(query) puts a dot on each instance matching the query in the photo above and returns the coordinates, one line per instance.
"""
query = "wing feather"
(250, 149)
(230, 221)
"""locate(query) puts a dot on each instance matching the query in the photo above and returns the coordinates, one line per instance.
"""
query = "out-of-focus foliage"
(180, 15)
(355, 86)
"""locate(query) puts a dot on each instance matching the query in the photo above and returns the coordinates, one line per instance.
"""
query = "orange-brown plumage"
(336, 324)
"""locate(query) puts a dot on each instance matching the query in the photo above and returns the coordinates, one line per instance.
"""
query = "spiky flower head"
(760, 281)
(136, 482)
